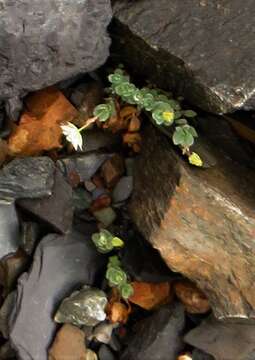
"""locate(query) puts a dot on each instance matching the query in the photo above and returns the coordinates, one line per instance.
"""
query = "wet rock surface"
(9, 228)
(60, 265)
(202, 222)
(55, 210)
(224, 341)
(204, 48)
(53, 50)
(31, 177)
(158, 337)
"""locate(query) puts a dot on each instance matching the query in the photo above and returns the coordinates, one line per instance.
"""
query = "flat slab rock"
(204, 50)
(201, 221)
(30, 177)
(225, 341)
(53, 40)
(158, 337)
(61, 264)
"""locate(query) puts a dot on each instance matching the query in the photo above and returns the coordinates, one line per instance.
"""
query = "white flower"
(73, 135)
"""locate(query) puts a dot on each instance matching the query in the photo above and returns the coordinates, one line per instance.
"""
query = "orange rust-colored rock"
(118, 312)
(100, 203)
(39, 127)
(69, 344)
(194, 300)
(112, 170)
(202, 221)
(150, 295)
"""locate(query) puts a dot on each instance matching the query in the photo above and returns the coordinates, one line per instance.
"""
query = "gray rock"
(53, 40)
(57, 209)
(106, 216)
(158, 337)
(200, 355)
(30, 177)
(30, 235)
(97, 139)
(7, 352)
(201, 49)
(224, 341)
(123, 189)
(85, 166)
(5, 312)
(105, 353)
(9, 228)
(82, 199)
(83, 307)
(61, 264)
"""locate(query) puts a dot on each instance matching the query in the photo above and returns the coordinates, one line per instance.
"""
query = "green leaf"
(126, 290)
(103, 112)
(114, 261)
(181, 121)
(116, 276)
(117, 242)
(189, 113)
(183, 137)
(125, 89)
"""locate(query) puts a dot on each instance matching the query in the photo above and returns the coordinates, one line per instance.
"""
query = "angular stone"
(201, 49)
(9, 228)
(5, 312)
(85, 166)
(157, 337)
(12, 267)
(55, 210)
(30, 177)
(200, 355)
(61, 264)
(201, 221)
(225, 341)
(68, 39)
(30, 235)
(123, 189)
(112, 170)
(105, 216)
(69, 344)
(105, 353)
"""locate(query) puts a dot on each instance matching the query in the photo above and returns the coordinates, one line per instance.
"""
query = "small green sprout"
(117, 277)
(106, 242)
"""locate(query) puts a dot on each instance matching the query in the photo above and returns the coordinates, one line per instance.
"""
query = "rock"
(3, 151)
(30, 177)
(105, 353)
(30, 235)
(82, 199)
(12, 267)
(200, 355)
(5, 312)
(112, 170)
(61, 264)
(123, 189)
(225, 341)
(39, 126)
(85, 166)
(196, 54)
(9, 228)
(201, 221)
(56, 210)
(69, 344)
(91, 355)
(105, 216)
(192, 298)
(97, 139)
(84, 307)
(157, 337)
(101, 202)
(143, 262)
(70, 38)
(103, 332)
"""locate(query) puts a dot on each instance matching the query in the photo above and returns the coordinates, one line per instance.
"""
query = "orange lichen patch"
(39, 127)
(150, 295)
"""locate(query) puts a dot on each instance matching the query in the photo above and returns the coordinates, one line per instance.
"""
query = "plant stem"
(88, 123)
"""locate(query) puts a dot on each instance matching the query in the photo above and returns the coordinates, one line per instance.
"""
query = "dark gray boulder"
(30, 177)
(61, 264)
(9, 228)
(204, 49)
(225, 341)
(44, 42)
(158, 337)
(55, 210)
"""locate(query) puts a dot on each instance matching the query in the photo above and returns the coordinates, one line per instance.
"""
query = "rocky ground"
(112, 245)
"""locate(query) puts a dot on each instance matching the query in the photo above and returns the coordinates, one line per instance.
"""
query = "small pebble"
(105, 353)
(105, 216)
(123, 189)
(89, 185)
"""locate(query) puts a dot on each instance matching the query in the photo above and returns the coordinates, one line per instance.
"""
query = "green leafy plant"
(117, 277)
(165, 111)
(106, 242)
